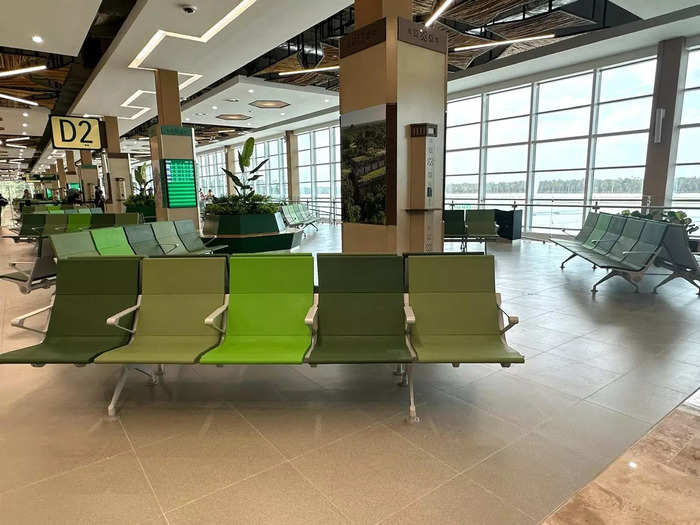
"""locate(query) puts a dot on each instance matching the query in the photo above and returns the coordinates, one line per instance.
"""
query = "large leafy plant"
(141, 198)
(243, 184)
(670, 216)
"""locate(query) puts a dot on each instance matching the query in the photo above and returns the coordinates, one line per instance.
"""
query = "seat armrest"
(171, 250)
(512, 320)
(311, 319)
(409, 315)
(114, 320)
(210, 320)
(19, 321)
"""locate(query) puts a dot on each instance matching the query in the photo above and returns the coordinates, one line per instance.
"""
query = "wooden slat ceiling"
(42, 87)
(331, 57)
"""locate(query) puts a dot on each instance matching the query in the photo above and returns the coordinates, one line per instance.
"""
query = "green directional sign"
(179, 188)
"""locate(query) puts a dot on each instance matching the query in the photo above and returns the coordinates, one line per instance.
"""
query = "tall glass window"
(274, 173)
(319, 168)
(211, 174)
(686, 186)
(556, 143)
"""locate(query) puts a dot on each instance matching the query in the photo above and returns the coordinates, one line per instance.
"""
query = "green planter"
(148, 212)
(243, 224)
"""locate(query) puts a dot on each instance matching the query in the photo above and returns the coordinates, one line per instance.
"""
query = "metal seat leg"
(112, 408)
(609, 275)
(412, 418)
(567, 260)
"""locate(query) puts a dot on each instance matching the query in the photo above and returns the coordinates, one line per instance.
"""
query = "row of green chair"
(93, 211)
(58, 208)
(298, 215)
(465, 225)
(187, 310)
(147, 240)
(36, 225)
(625, 246)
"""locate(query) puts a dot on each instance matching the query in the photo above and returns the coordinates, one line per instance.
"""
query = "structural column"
(292, 169)
(172, 155)
(117, 169)
(62, 182)
(667, 108)
(393, 96)
(88, 175)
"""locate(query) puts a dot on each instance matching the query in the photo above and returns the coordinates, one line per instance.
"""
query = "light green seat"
(84, 211)
(77, 244)
(456, 308)
(56, 212)
(599, 231)
(167, 237)
(178, 294)
(78, 222)
(111, 241)
(266, 311)
(360, 310)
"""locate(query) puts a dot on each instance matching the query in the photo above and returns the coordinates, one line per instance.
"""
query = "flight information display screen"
(74, 186)
(180, 188)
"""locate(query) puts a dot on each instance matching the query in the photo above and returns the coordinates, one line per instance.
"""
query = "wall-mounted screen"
(74, 186)
(178, 181)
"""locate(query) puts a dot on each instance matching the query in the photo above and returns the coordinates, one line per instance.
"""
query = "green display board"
(74, 186)
(49, 193)
(178, 183)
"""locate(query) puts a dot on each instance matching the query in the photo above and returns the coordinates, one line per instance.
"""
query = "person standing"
(3, 202)
(99, 198)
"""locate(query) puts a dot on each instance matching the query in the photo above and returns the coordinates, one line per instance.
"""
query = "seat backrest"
(70, 211)
(32, 224)
(57, 212)
(676, 252)
(287, 214)
(481, 222)
(612, 234)
(102, 220)
(78, 222)
(189, 236)
(142, 240)
(601, 226)
(84, 210)
(454, 222)
(627, 240)
(55, 223)
(280, 222)
(453, 295)
(96, 211)
(85, 299)
(167, 237)
(360, 295)
(77, 244)
(122, 219)
(270, 295)
(649, 243)
(588, 226)
(111, 241)
(178, 294)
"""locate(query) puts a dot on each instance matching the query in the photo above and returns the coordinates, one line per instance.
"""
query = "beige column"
(87, 171)
(117, 175)
(406, 65)
(292, 163)
(231, 165)
(667, 108)
(71, 173)
(173, 148)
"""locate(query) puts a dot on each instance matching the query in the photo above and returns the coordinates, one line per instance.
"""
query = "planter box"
(243, 224)
(148, 212)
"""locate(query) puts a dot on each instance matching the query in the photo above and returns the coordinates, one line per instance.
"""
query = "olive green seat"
(481, 224)
(102, 220)
(96, 211)
(77, 332)
(124, 219)
(142, 240)
(167, 237)
(191, 240)
(455, 225)
(32, 225)
(78, 222)
(457, 311)
(267, 310)
(56, 212)
(111, 241)
(360, 310)
(77, 244)
(177, 295)
(55, 223)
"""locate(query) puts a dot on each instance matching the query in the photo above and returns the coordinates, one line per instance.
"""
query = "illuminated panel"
(179, 183)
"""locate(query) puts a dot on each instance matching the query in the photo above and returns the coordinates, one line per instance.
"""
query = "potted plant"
(142, 201)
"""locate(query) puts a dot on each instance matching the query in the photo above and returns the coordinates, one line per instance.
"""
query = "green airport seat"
(177, 295)
(78, 222)
(112, 242)
(625, 243)
(55, 223)
(77, 332)
(76, 244)
(457, 311)
(142, 240)
(53, 208)
(455, 224)
(35, 274)
(56, 212)
(124, 219)
(675, 255)
(481, 224)
(84, 211)
(32, 225)
(191, 240)
(599, 231)
(70, 211)
(266, 312)
(102, 220)
(360, 310)
(167, 237)
(649, 245)
(612, 234)
(583, 234)
(96, 211)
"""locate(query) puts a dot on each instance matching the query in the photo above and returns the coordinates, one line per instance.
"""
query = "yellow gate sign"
(75, 133)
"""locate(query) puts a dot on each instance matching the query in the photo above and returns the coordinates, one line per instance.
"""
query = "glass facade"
(565, 141)
(319, 168)
(210, 174)
(274, 174)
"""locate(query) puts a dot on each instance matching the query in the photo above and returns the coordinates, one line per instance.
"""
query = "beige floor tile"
(458, 502)
(594, 431)
(372, 474)
(535, 474)
(279, 495)
(688, 459)
(616, 358)
(36, 444)
(665, 372)
(517, 400)
(113, 491)
(638, 398)
(223, 450)
(536, 337)
(686, 351)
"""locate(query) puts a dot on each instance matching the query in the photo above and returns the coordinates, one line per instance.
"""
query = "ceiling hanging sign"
(75, 133)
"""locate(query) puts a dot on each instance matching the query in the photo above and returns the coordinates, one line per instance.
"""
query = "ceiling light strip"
(21, 71)
(305, 71)
(438, 12)
(17, 99)
(504, 42)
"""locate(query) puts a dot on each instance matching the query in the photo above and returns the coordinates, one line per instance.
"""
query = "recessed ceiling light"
(25, 114)
(233, 116)
(215, 107)
(269, 104)
(283, 114)
(188, 118)
(24, 133)
(37, 39)
(327, 100)
(25, 125)
(251, 91)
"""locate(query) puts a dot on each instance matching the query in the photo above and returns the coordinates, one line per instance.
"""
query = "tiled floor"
(329, 444)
